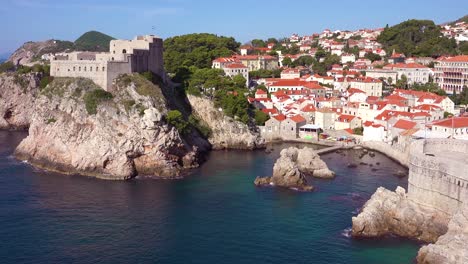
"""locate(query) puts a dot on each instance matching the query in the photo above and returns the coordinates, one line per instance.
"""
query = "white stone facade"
(144, 53)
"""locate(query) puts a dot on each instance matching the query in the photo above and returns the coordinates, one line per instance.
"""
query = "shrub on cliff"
(7, 66)
(176, 119)
(93, 98)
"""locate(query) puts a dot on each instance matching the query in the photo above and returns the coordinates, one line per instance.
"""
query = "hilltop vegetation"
(93, 41)
(417, 38)
(195, 50)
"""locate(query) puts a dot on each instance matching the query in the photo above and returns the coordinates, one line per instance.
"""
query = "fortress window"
(112, 58)
(79, 68)
(74, 69)
(84, 68)
(103, 68)
(124, 51)
(97, 68)
(91, 68)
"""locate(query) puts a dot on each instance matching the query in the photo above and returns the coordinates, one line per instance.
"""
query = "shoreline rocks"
(124, 135)
(227, 133)
(390, 212)
(292, 167)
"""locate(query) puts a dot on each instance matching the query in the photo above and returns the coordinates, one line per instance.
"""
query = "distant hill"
(462, 19)
(417, 38)
(93, 41)
(30, 52)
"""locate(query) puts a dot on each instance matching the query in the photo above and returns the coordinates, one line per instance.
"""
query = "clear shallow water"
(216, 215)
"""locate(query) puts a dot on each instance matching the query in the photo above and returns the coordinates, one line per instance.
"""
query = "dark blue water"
(215, 215)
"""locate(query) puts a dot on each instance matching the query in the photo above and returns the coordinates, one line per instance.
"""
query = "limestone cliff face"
(390, 212)
(75, 129)
(227, 133)
(451, 247)
(292, 166)
(17, 96)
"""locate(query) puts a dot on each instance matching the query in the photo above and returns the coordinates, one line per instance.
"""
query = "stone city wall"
(438, 176)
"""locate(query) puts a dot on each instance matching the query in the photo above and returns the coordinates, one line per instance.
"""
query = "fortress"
(438, 176)
(143, 53)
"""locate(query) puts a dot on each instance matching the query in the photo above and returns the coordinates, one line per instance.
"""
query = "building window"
(79, 68)
(103, 68)
(124, 51)
(74, 69)
(84, 69)
(97, 68)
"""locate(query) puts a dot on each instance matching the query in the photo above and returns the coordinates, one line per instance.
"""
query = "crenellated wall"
(438, 174)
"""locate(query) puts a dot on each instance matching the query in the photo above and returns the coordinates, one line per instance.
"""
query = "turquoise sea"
(215, 215)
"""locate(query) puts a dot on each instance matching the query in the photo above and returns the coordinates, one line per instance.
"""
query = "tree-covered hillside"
(93, 41)
(417, 38)
(196, 50)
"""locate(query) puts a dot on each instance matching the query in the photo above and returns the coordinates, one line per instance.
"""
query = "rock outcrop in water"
(79, 128)
(293, 166)
(227, 133)
(390, 212)
(451, 247)
(17, 96)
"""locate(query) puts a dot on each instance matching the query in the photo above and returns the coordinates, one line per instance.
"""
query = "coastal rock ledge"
(390, 212)
(78, 128)
(227, 133)
(292, 167)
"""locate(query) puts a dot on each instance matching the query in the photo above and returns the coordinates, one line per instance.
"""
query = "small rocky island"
(292, 167)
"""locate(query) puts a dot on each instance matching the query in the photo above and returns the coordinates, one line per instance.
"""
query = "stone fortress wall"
(438, 176)
(143, 53)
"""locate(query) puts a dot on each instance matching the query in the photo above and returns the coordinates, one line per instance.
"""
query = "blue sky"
(33, 20)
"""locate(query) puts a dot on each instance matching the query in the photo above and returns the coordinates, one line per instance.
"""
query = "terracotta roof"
(404, 124)
(349, 130)
(346, 118)
(409, 66)
(280, 117)
(427, 107)
(270, 110)
(355, 90)
(298, 119)
(236, 66)
(456, 122)
(461, 58)
(309, 108)
(260, 91)
(293, 82)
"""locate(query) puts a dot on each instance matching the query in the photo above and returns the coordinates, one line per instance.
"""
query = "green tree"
(417, 38)
(402, 82)
(287, 61)
(372, 56)
(260, 117)
(239, 81)
(259, 43)
(196, 50)
(304, 61)
(176, 119)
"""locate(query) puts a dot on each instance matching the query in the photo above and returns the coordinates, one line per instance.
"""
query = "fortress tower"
(143, 53)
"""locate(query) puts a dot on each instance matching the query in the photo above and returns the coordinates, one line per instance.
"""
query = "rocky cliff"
(451, 247)
(292, 167)
(226, 133)
(17, 96)
(79, 128)
(30, 52)
(390, 212)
